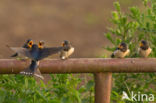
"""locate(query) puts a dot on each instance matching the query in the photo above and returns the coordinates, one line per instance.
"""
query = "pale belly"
(66, 54)
(144, 53)
(120, 54)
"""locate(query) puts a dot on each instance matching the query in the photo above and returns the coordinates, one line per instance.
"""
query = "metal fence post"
(103, 87)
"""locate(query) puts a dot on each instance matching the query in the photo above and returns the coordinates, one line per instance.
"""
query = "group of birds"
(37, 52)
(122, 50)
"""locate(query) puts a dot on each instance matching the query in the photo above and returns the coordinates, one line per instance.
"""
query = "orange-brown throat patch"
(30, 44)
(120, 47)
(63, 44)
(141, 45)
(40, 45)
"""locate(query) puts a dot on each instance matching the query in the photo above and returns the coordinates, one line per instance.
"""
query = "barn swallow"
(65, 53)
(36, 53)
(144, 49)
(26, 45)
(33, 68)
(121, 51)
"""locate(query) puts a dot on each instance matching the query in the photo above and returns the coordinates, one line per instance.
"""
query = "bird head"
(65, 43)
(41, 44)
(144, 45)
(29, 43)
(122, 47)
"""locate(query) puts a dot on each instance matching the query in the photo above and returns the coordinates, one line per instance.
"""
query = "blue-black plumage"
(36, 53)
(26, 45)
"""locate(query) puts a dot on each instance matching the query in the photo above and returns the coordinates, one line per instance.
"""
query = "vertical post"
(103, 87)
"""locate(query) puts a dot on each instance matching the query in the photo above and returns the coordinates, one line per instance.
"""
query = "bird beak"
(63, 44)
(141, 44)
(120, 46)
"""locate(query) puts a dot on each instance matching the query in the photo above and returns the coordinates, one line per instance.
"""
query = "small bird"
(33, 68)
(36, 53)
(65, 53)
(121, 51)
(26, 45)
(144, 49)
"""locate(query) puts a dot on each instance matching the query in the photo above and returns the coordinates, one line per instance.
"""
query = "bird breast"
(66, 54)
(144, 53)
(120, 54)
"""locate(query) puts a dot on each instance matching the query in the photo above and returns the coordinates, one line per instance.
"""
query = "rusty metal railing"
(102, 69)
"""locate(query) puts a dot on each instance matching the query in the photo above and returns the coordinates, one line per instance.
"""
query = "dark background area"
(83, 22)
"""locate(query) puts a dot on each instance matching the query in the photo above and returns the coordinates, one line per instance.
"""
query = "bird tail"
(38, 74)
(14, 55)
(32, 70)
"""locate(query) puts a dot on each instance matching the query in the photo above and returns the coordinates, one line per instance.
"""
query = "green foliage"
(17, 88)
(131, 28)
(62, 88)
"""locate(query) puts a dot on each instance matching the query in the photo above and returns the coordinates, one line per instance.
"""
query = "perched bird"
(26, 45)
(33, 68)
(36, 53)
(66, 52)
(144, 49)
(121, 51)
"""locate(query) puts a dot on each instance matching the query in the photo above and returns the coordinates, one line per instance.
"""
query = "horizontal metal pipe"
(82, 65)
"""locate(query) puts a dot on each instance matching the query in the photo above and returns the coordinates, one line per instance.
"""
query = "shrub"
(131, 27)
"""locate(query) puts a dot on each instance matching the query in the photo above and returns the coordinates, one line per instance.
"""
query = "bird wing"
(14, 55)
(21, 51)
(45, 52)
(25, 45)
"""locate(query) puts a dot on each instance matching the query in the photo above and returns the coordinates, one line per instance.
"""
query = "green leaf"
(117, 6)
(115, 15)
(145, 2)
(118, 41)
(90, 84)
(2, 95)
(108, 36)
(123, 20)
